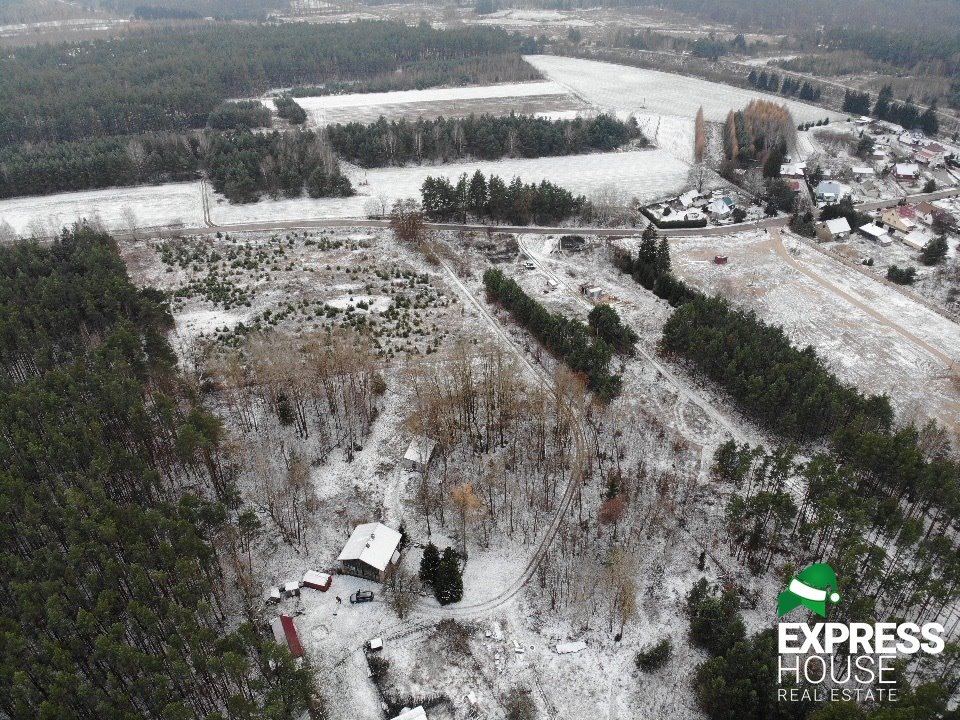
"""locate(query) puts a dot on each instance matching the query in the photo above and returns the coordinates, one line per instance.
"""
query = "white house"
(718, 209)
(831, 191)
(688, 198)
(419, 453)
(370, 551)
(862, 171)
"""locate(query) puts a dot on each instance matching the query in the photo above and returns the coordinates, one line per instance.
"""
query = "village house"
(688, 198)
(835, 229)
(718, 209)
(899, 219)
(419, 453)
(831, 191)
(906, 171)
(371, 551)
(932, 155)
(926, 211)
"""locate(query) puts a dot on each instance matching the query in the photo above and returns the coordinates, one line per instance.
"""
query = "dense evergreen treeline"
(569, 340)
(289, 110)
(166, 80)
(780, 386)
(856, 103)
(480, 70)
(240, 115)
(98, 163)
(493, 199)
(789, 86)
(244, 165)
(605, 323)
(241, 165)
(906, 114)
(112, 493)
(651, 268)
(485, 137)
(899, 48)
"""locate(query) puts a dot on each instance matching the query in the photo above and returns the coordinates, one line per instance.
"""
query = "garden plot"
(529, 97)
(645, 174)
(620, 87)
(838, 316)
(116, 209)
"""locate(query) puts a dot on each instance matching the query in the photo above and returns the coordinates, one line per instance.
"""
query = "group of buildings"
(693, 208)
(371, 552)
(910, 224)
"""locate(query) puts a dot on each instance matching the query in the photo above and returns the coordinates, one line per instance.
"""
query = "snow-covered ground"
(526, 18)
(503, 98)
(869, 334)
(150, 205)
(646, 174)
(620, 87)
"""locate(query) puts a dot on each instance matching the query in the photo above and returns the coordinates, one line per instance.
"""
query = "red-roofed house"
(285, 633)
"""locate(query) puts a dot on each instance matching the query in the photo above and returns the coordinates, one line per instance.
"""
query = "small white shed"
(419, 453)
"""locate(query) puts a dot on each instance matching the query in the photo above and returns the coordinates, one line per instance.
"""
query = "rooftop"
(838, 225)
(872, 230)
(420, 450)
(372, 544)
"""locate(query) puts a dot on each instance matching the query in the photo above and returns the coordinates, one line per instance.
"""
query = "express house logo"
(833, 661)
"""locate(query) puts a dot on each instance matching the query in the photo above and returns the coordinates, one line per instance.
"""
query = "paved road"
(919, 197)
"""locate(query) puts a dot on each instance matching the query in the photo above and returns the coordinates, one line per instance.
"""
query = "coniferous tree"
(448, 587)
(429, 564)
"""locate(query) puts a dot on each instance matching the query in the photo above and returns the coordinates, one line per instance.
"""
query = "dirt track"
(781, 251)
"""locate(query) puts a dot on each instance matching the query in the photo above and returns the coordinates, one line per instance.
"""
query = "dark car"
(361, 596)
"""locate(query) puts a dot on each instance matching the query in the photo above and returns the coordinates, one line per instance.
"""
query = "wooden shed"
(285, 633)
(317, 580)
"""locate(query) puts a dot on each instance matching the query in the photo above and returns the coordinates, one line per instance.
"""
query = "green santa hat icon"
(811, 588)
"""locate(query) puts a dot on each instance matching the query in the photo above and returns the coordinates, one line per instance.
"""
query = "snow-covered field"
(620, 87)
(504, 98)
(150, 205)
(869, 334)
(645, 174)
(526, 18)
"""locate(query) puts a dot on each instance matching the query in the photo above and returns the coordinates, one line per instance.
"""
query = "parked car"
(361, 596)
